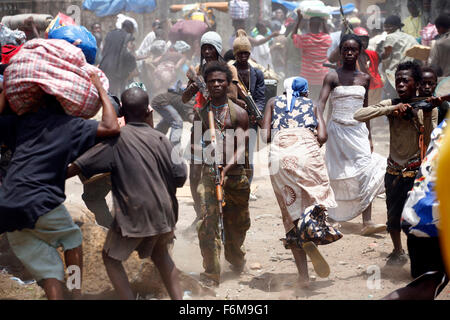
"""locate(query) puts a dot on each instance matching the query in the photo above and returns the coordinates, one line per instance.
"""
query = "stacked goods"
(20, 21)
(189, 31)
(239, 9)
(11, 37)
(53, 67)
(315, 8)
(79, 36)
(60, 20)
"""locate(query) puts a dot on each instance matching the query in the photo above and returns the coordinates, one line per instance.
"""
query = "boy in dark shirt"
(410, 132)
(145, 172)
(32, 194)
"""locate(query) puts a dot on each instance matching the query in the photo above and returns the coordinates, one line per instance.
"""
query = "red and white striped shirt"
(314, 48)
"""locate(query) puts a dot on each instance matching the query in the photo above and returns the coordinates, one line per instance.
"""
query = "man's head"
(363, 34)
(211, 46)
(261, 26)
(218, 77)
(135, 104)
(96, 28)
(392, 24)
(128, 26)
(156, 24)
(413, 8)
(429, 82)
(442, 23)
(242, 47)
(238, 24)
(314, 24)
(407, 79)
(279, 15)
(350, 48)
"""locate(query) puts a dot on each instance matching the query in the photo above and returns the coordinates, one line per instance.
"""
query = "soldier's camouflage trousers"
(236, 221)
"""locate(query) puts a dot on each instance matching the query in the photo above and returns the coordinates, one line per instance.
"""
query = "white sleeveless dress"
(356, 174)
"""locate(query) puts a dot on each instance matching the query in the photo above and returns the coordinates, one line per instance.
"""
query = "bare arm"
(328, 85)
(108, 126)
(335, 56)
(365, 105)
(387, 52)
(261, 41)
(239, 151)
(297, 25)
(72, 171)
(189, 92)
(2, 101)
(266, 122)
(233, 95)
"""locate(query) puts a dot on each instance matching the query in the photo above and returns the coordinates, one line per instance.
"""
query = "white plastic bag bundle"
(239, 9)
(13, 37)
(315, 8)
(121, 18)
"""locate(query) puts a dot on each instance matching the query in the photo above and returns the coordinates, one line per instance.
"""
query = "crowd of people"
(336, 76)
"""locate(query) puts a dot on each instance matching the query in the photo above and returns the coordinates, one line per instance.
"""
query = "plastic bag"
(239, 9)
(9, 51)
(76, 34)
(13, 37)
(315, 8)
(60, 20)
(121, 18)
(57, 68)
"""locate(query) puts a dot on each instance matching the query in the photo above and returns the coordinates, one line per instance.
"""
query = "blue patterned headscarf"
(299, 86)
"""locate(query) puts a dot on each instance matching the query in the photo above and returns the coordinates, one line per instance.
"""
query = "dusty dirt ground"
(355, 261)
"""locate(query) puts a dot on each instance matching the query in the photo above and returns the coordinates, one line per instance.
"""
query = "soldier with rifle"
(224, 129)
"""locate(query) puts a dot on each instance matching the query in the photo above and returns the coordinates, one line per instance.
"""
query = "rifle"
(344, 20)
(217, 172)
(199, 81)
(252, 108)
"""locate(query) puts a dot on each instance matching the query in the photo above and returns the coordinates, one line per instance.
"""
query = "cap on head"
(241, 43)
(394, 21)
(212, 38)
(360, 31)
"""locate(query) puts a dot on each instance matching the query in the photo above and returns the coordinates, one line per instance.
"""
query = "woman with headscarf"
(297, 167)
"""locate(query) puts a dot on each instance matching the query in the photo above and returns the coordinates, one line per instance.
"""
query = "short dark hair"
(350, 36)
(134, 102)
(443, 21)
(229, 55)
(430, 70)
(414, 67)
(127, 24)
(216, 66)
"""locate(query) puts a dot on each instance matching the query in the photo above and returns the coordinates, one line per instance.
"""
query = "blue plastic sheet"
(72, 33)
(348, 8)
(104, 8)
(291, 6)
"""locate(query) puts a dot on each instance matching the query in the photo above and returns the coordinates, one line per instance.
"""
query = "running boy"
(144, 174)
(410, 131)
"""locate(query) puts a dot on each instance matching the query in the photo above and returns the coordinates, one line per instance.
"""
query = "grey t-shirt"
(144, 173)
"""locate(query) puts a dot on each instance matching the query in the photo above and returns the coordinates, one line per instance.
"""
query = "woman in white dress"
(356, 173)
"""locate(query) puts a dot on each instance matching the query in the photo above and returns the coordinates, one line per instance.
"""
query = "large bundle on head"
(53, 67)
(189, 31)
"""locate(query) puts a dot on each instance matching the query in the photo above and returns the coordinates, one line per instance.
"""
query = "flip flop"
(319, 263)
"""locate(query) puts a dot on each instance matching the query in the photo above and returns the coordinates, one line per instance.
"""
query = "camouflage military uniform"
(236, 220)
